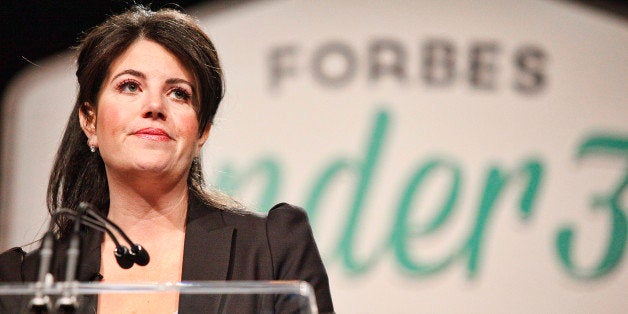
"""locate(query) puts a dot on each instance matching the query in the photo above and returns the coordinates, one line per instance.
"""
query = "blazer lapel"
(206, 255)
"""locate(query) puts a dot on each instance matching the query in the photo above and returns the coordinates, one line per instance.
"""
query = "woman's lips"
(153, 134)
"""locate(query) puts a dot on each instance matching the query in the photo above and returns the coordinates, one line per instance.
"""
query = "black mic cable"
(41, 303)
(124, 257)
(122, 254)
(139, 254)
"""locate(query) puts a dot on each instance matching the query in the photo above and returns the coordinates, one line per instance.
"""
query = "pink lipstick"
(153, 134)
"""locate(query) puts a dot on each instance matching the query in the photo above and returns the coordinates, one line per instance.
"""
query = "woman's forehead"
(149, 58)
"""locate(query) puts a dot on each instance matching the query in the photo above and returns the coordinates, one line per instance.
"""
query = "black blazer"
(219, 245)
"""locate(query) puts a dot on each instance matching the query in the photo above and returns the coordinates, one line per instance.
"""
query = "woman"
(149, 86)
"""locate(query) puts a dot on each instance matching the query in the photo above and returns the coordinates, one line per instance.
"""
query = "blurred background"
(33, 30)
(453, 156)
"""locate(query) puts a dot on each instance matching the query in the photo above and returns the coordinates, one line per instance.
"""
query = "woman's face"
(145, 120)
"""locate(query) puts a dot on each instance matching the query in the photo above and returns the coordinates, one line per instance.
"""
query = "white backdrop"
(454, 156)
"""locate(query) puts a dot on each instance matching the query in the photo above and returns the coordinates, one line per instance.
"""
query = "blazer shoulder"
(289, 232)
(283, 226)
(11, 265)
(294, 251)
(287, 213)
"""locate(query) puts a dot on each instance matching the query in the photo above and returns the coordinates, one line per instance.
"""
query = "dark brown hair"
(78, 175)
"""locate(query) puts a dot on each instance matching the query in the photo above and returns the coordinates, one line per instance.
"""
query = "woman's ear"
(203, 138)
(87, 118)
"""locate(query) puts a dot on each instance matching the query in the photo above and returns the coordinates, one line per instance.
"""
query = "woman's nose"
(155, 107)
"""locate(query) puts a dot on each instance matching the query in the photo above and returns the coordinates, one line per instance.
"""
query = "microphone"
(40, 303)
(67, 303)
(138, 254)
(123, 255)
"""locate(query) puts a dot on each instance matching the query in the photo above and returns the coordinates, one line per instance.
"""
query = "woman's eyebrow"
(177, 81)
(131, 72)
(143, 76)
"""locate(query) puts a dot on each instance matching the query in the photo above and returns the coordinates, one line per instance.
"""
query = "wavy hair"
(78, 175)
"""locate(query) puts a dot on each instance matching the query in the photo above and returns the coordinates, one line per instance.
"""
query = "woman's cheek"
(109, 121)
(190, 124)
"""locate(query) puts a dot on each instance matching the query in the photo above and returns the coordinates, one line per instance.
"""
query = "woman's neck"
(149, 207)
(152, 214)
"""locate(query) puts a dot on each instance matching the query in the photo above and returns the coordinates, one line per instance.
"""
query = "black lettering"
(281, 64)
(482, 68)
(439, 62)
(331, 74)
(387, 57)
(530, 65)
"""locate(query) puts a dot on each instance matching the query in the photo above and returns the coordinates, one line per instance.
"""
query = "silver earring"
(92, 148)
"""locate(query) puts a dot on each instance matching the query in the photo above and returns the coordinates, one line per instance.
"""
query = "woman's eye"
(180, 94)
(129, 87)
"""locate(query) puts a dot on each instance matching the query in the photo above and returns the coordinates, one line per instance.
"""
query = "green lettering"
(493, 186)
(606, 146)
(363, 173)
(403, 231)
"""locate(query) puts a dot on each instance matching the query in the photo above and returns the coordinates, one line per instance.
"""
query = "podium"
(194, 296)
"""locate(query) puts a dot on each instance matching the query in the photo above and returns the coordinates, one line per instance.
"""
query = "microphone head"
(123, 257)
(140, 255)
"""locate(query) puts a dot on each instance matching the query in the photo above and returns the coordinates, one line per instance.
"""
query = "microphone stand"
(68, 302)
(40, 303)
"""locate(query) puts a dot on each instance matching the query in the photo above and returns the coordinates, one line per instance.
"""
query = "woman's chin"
(149, 168)
(154, 167)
